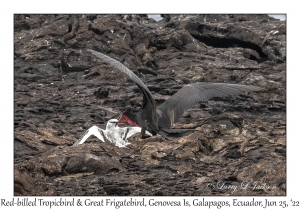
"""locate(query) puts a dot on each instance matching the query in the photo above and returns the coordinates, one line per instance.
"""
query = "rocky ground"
(61, 90)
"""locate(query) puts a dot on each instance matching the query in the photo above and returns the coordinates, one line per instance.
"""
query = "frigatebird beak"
(122, 120)
(119, 117)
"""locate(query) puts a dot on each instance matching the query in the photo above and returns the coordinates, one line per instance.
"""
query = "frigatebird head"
(129, 117)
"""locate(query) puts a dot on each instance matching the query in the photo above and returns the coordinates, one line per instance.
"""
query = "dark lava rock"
(61, 90)
(101, 93)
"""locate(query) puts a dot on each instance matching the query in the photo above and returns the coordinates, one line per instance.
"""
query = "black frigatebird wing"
(148, 101)
(173, 108)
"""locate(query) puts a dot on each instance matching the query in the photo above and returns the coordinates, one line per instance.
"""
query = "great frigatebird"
(158, 120)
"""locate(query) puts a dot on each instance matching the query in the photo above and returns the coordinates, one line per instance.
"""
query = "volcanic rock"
(61, 90)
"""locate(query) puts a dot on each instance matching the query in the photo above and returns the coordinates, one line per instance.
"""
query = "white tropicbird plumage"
(113, 133)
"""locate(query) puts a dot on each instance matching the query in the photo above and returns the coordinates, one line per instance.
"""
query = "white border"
(149, 7)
